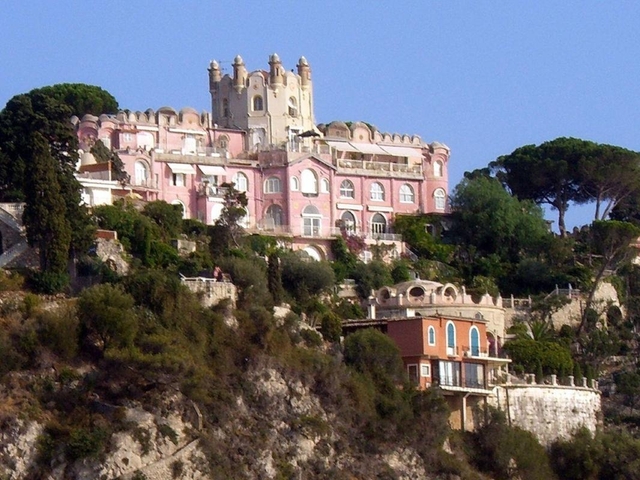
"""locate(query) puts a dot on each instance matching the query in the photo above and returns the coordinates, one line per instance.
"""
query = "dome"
(214, 65)
(188, 110)
(274, 58)
(238, 60)
(303, 61)
(167, 110)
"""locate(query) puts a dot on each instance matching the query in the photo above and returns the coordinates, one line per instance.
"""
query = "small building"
(453, 354)
(447, 338)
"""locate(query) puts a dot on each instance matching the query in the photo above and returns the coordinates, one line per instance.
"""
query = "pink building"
(304, 181)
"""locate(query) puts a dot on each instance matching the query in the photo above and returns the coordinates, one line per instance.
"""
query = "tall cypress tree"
(45, 212)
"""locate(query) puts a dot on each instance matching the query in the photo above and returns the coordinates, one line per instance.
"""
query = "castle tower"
(215, 75)
(304, 72)
(239, 74)
(273, 106)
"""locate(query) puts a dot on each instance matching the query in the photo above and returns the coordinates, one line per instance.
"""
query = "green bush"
(105, 311)
(528, 354)
(331, 327)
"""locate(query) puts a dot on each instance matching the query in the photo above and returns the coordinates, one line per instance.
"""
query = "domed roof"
(238, 60)
(427, 285)
(337, 124)
(214, 65)
(303, 61)
(90, 118)
(274, 58)
(167, 110)
(188, 110)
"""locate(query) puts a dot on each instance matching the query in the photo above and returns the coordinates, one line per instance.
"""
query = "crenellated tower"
(273, 106)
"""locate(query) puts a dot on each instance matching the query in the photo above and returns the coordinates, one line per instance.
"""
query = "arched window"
(474, 341)
(346, 189)
(377, 192)
(348, 222)
(274, 216)
(142, 173)
(440, 199)
(295, 184)
(241, 182)
(308, 182)
(451, 339)
(272, 185)
(223, 142)
(324, 185)
(437, 169)
(257, 103)
(182, 207)
(293, 106)
(406, 194)
(378, 224)
(432, 336)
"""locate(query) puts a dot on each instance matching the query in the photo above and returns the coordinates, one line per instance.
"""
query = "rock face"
(277, 429)
(549, 412)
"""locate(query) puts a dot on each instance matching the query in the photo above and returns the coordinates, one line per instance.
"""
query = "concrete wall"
(549, 412)
(210, 291)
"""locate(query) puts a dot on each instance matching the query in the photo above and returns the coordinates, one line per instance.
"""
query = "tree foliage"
(487, 221)
(106, 312)
(82, 98)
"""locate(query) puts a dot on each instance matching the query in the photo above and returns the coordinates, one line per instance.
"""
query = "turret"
(214, 74)
(276, 72)
(304, 71)
(239, 74)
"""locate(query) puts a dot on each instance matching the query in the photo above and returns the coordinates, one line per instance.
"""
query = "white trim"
(150, 129)
(182, 168)
(184, 130)
(348, 206)
(374, 208)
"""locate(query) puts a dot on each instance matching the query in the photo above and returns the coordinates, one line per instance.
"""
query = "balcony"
(380, 168)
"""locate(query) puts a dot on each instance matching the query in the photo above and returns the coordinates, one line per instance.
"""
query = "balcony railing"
(390, 167)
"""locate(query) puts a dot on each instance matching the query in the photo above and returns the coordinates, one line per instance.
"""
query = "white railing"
(379, 166)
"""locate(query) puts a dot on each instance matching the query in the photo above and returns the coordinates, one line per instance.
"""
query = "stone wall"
(210, 291)
(549, 412)
(571, 313)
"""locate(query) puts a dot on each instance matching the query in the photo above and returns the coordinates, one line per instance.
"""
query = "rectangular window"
(425, 370)
(311, 227)
(127, 137)
(178, 180)
(474, 375)
(449, 373)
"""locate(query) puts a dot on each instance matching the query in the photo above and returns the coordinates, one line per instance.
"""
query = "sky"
(483, 77)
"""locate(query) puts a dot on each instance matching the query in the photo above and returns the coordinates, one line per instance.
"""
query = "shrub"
(331, 327)
(528, 353)
(59, 330)
(106, 312)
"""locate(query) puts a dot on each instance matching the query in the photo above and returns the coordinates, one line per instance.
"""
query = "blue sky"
(484, 77)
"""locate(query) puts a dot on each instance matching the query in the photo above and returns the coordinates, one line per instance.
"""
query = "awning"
(343, 146)
(369, 148)
(402, 151)
(182, 168)
(212, 170)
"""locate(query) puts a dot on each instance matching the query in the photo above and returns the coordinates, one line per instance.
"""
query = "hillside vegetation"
(128, 376)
